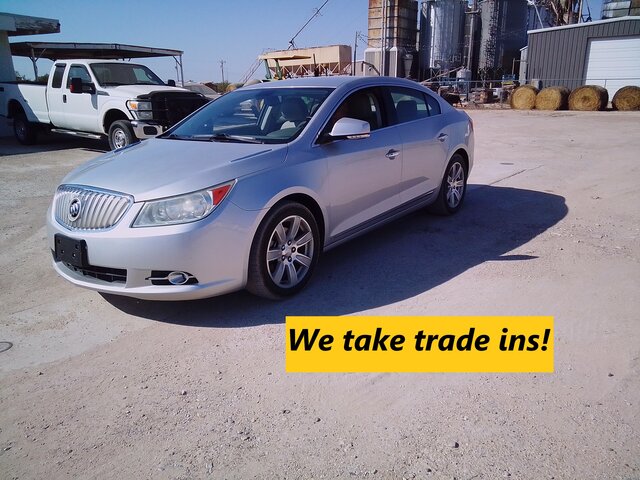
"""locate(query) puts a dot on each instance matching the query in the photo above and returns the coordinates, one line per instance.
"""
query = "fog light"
(178, 278)
(171, 277)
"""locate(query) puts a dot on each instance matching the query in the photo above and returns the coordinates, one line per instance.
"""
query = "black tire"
(26, 132)
(298, 255)
(453, 189)
(121, 134)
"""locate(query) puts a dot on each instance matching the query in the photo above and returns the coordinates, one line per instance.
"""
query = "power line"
(315, 14)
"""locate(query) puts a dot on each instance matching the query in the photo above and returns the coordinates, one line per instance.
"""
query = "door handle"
(442, 137)
(392, 154)
(64, 99)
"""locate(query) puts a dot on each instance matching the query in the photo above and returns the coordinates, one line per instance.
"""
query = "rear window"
(409, 104)
(433, 105)
(57, 76)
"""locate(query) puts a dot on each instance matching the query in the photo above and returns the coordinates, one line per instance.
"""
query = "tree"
(565, 12)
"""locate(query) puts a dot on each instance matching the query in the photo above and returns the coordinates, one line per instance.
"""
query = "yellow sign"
(419, 344)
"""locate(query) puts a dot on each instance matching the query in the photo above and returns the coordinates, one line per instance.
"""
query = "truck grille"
(171, 107)
(83, 208)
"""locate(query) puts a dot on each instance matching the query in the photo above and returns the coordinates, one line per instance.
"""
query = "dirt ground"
(106, 387)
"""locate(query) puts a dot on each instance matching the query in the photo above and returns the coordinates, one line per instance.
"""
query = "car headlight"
(184, 208)
(141, 109)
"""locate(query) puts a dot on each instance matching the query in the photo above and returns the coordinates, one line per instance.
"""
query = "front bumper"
(143, 130)
(214, 250)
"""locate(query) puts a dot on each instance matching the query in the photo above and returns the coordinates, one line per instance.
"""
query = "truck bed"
(32, 97)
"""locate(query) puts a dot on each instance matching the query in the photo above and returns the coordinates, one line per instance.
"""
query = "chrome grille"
(99, 209)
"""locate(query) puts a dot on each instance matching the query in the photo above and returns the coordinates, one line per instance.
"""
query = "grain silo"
(617, 8)
(503, 34)
(442, 33)
(393, 29)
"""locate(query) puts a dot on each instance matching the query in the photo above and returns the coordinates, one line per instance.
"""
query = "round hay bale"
(627, 99)
(589, 98)
(553, 98)
(524, 98)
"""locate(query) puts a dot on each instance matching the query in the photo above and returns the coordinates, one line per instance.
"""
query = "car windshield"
(114, 74)
(255, 115)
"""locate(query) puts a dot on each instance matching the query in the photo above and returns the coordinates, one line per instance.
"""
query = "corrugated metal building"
(606, 52)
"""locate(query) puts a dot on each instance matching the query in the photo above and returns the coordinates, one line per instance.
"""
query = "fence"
(498, 91)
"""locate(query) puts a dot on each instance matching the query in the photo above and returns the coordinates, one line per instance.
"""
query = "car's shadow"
(399, 261)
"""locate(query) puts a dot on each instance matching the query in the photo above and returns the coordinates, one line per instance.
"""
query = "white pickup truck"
(94, 98)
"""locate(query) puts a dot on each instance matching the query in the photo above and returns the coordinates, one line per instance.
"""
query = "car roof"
(95, 60)
(336, 81)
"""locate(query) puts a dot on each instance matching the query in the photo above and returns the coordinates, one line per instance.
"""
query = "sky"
(208, 31)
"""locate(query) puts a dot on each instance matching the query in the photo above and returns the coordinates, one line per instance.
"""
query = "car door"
(81, 109)
(55, 96)
(364, 174)
(424, 140)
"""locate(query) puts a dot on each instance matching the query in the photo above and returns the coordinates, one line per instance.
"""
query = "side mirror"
(171, 82)
(350, 129)
(77, 86)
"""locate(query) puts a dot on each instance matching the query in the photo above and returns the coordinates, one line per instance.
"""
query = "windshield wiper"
(225, 137)
(173, 136)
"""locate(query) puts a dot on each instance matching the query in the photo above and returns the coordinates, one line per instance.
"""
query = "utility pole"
(222, 62)
(355, 48)
(383, 38)
(472, 33)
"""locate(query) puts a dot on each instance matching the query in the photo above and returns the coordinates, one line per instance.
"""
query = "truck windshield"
(114, 74)
(253, 115)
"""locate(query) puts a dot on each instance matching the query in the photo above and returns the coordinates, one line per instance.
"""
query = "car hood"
(158, 168)
(132, 91)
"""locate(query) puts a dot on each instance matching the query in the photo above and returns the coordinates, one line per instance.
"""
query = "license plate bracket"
(71, 251)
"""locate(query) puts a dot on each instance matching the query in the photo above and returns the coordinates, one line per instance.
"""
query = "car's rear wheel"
(284, 252)
(453, 187)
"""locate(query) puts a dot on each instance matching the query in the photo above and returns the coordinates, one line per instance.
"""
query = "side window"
(57, 75)
(409, 104)
(78, 71)
(361, 105)
(434, 106)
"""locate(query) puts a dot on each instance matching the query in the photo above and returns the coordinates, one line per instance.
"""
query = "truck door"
(81, 109)
(55, 94)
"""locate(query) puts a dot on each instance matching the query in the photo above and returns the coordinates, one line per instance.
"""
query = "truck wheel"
(24, 130)
(121, 134)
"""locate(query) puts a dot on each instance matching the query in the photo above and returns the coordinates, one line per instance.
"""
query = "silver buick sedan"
(250, 189)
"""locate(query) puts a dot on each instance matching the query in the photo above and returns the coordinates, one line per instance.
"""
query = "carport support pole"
(34, 60)
(179, 71)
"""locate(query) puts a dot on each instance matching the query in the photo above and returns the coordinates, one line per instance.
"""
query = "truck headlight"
(141, 109)
(184, 208)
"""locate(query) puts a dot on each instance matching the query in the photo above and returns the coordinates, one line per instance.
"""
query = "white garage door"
(613, 63)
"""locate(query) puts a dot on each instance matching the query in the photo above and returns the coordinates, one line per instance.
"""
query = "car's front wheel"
(284, 253)
(453, 187)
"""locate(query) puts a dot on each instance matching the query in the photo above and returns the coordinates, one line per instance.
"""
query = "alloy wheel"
(290, 251)
(455, 184)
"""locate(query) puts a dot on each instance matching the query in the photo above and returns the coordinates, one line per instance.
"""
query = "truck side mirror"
(171, 82)
(77, 86)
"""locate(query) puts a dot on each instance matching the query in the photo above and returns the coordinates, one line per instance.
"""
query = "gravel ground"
(106, 387)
